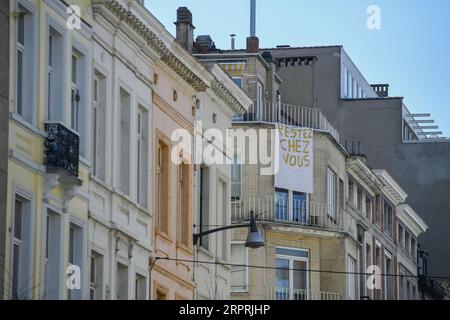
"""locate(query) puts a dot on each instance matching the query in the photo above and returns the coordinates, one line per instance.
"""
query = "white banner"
(295, 156)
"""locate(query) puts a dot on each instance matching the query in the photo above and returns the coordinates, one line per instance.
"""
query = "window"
(259, 101)
(351, 192)
(99, 116)
(368, 207)
(345, 83)
(378, 264)
(21, 250)
(25, 64)
(299, 207)
(204, 206)
(389, 280)
(52, 267)
(359, 200)
(124, 147)
(331, 194)
(55, 76)
(140, 287)
(407, 241)
(238, 81)
(378, 209)
(388, 219)
(341, 193)
(121, 282)
(79, 102)
(96, 276)
(400, 236)
(236, 179)
(142, 157)
(349, 85)
(368, 263)
(221, 218)
(75, 255)
(354, 89)
(291, 275)
(282, 204)
(239, 269)
(162, 186)
(351, 278)
(413, 247)
(183, 204)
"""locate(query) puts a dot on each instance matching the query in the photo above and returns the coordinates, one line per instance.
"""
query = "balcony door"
(292, 277)
(291, 206)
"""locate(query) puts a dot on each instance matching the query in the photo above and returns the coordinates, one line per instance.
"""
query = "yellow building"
(48, 166)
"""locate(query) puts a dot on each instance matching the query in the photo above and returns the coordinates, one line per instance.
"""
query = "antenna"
(252, 18)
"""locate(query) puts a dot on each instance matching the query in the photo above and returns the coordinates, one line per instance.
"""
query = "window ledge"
(27, 125)
(186, 249)
(164, 236)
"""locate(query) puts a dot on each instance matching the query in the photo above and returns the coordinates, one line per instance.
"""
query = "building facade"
(4, 124)
(408, 143)
(49, 155)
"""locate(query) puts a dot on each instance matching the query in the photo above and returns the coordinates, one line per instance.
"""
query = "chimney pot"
(252, 45)
(185, 28)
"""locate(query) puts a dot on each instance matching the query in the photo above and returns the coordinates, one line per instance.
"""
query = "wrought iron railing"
(61, 149)
(299, 294)
(295, 212)
(266, 111)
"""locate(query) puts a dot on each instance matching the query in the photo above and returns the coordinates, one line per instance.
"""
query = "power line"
(296, 269)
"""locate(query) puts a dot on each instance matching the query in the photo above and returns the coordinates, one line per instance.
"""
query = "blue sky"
(411, 51)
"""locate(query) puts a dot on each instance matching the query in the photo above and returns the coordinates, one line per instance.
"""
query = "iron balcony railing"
(294, 212)
(299, 294)
(266, 111)
(61, 149)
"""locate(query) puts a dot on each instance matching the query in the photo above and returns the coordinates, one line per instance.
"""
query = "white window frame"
(79, 254)
(245, 264)
(291, 267)
(29, 63)
(331, 193)
(98, 284)
(144, 277)
(351, 278)
(25, 266)
(53, 292)
(142, 158)
(237, 163)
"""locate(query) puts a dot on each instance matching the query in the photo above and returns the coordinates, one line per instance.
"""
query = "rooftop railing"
(266, 111)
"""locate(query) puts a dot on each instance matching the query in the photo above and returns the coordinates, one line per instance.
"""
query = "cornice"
(165, 53)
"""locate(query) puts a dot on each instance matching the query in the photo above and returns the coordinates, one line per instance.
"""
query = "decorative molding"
(136, 24)
(36, 167)
(172, 112)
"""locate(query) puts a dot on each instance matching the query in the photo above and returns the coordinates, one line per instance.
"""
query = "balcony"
(294, 212)
(301, 295)
(61, 162)
(61, 149)
(268, 112)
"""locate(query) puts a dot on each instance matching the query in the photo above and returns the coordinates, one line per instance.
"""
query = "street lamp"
(254, 238)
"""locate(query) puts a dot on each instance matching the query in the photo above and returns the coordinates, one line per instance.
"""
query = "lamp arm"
(197, 236)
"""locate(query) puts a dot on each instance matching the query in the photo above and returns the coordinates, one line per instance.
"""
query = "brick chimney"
(185, 28)
(252, 45)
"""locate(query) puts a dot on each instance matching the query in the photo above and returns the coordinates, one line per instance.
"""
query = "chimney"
(252, 41)
(185, 28)
(205, 42)
(382, 90)
(233, 41)
(252, 45)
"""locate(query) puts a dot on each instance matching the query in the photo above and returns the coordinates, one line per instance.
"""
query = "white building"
(120, 236)
(212, 205)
